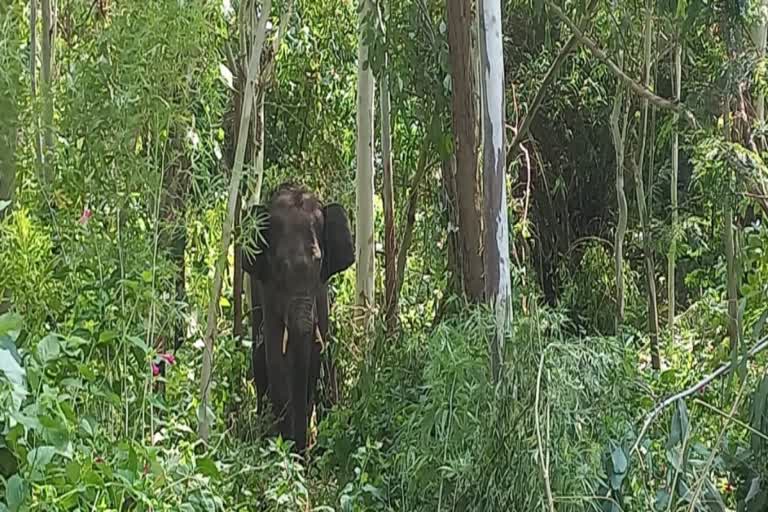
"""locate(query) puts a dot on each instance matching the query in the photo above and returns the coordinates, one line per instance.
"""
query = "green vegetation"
(111, 230)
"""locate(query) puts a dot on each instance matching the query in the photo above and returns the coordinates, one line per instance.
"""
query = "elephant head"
(301, 245)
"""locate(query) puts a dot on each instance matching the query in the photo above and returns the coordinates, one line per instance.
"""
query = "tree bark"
(364, 234)
(253, 71)
(46, 77)
(618, 135)
(390, 241)
(498, 289)
(464, 121)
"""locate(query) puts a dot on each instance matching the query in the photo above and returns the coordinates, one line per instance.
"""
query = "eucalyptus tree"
(364, 222)
(496, 227)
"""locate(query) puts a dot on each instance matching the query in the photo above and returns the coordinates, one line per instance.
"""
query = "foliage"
(90, 272)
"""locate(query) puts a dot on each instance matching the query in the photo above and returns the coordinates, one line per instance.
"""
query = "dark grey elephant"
(302, 246)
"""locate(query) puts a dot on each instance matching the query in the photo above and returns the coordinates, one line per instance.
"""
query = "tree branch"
(724, 369)
(254, 68)
(602, 56)
(541, 94)
(410, 216)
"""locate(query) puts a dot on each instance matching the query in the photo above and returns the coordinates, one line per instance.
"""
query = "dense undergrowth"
(87, 276)
(421, 426)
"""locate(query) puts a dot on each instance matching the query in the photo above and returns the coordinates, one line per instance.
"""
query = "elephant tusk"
(319, 337)
(285, 340)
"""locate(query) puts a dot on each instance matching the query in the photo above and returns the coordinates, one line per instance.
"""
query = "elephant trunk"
(301, 318)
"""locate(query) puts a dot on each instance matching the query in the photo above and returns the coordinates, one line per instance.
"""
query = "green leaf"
(207, 467)
(662, 500)
(619, 466)
(4, 204)
(73, 471)
(679, 429)
(139, 343)
(10, 322)
(41, 457)
(15, 493)
(15, 374)
(48, 349)
(757, 330)
(107, 336)
(8, 462)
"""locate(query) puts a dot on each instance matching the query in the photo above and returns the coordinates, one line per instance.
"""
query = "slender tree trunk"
(671, 257)
(464, 117)
(653, 314)
(498, 289)
(37, 141)
(46, 77)
(732, 280)
(252, 72)
(617, 134)
(390, 241)
(364, 236)
(406, 236)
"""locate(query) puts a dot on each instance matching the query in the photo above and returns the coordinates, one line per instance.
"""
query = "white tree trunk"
(364, 235)
(253, 72)
(498, 288)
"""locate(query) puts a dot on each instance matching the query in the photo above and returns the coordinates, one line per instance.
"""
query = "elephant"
(303, 244)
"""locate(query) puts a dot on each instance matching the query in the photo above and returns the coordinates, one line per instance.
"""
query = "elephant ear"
(255, 227)
(339, 250)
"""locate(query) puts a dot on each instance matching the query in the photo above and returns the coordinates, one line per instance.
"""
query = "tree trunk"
(410, 214)
(46, 77)
(671, 257)
(37, 142)
(253, 71)
(390, 242)
(364, 235)
(618, 134)
(464, 120)
(643, 211)
(496, 254)
(732, 279)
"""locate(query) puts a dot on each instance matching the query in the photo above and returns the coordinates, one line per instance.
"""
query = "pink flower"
(155, 370)
(169, 358)
(86, 216)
